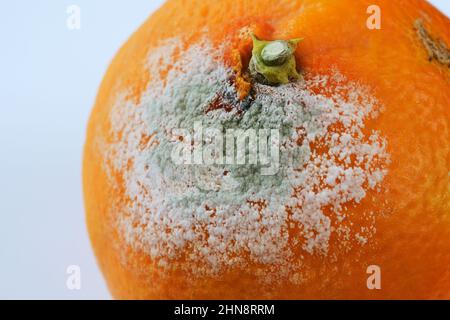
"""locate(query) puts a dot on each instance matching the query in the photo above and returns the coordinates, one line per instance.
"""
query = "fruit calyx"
(273, 62)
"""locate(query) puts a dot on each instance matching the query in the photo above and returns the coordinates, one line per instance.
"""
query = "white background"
(49, 77)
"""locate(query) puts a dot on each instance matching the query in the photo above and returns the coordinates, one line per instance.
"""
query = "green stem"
(273, 62)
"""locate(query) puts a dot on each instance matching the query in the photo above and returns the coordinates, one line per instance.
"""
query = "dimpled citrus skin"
(412, 240)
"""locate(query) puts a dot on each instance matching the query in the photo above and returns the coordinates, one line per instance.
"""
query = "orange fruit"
(357, 205)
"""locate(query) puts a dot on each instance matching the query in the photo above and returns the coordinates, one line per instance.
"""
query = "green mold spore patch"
(227, 214)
